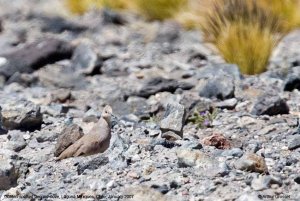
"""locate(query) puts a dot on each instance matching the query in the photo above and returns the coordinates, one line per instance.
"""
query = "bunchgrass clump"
(159, 9)
(247, 46)
(78, 6)
(244, 32)
(286, 10)
(81, 6)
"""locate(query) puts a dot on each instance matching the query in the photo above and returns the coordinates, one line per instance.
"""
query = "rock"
(112, 17)
(23, 79)
(85, 60)
(263, 182)
(160, 84)
(211, 70)
(56, 24)
(249, 197)
(92, 164)
(191, 145)
(46, 136)
(145, 193)
(116, 152)
(227, 104)
(173, 119)
(152, 132)
(218, 80)
(68, 136)
(168, 33)
(163, 142)
(91, 116)
(54, 109)
(34, 56)
(16, 140)
(2, 77)
(294, 143)
(251, 162)
(60, 95)
(8, 174)
(216, 87)
(269, 104)
(297, 179)
(2, 130)
(235, 152)
(292, 80)
(191, 158)
(60, 76)
(161, 188)
(218, 141)
(171, 136)
(21, 114)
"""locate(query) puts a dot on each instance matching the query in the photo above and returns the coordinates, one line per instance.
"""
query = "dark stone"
(292, 80)
(270, 104)
(2, 130)
(294, 143)
(163, 142)
(8, 174)
(173, 119)
(161, 188)
(86, 60)
(92, 164)
(23, 115)
(297, 179)
(35, 55)
(217, 87)
(227, 104)
(160, 84)
(218, 81)
(219, 70)
(197, 56)
(111, 17)
(56, 24)
(16, 140)
(61, 76)
(61, 95)
(68, 136)
(23, 79)
(168, 32)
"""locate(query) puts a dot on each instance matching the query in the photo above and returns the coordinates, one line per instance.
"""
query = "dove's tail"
(70, 151)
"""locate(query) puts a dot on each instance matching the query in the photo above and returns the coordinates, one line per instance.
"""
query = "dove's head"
(107, 113)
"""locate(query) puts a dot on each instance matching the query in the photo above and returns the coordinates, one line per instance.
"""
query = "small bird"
(96, 141)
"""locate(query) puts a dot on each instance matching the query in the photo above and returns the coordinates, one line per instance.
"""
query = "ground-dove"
(96, 141)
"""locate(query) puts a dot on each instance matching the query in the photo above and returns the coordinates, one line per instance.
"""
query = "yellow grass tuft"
(78, 6)
(81, 6)
(244, 32)
(287, 10)
(248, 46)
(159, 9)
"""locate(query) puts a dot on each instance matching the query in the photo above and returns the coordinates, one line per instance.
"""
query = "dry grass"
(248, 46)
(78, 6)
(81, 6)
(287, 10)
(159, 9)
(244, 32)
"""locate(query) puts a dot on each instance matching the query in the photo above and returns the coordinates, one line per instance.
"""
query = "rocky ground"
(189, 126)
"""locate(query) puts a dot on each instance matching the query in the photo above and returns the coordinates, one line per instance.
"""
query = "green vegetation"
(203, 119)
